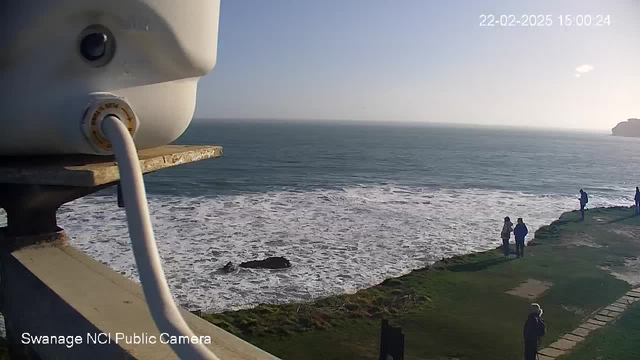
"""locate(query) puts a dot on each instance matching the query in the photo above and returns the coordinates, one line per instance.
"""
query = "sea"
(349, 204)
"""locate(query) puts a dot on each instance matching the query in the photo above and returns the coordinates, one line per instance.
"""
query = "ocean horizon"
(349, 203)
(404, 123)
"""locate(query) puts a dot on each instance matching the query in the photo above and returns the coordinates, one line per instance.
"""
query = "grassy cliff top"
(459, 308)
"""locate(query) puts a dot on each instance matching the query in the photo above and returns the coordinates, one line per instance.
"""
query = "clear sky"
(426, 61)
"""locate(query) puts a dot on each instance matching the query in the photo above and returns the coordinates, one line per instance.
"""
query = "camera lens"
(94, 46)
(97, 45)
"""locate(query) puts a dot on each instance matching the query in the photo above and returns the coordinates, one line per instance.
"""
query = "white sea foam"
(338, 241)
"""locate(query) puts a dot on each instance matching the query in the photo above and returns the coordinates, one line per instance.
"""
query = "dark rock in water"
(229, 267)
(274, 262)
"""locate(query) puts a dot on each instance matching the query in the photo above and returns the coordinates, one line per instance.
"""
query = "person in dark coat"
(637, 199)
(520, 232)
(584, 199)
(534, 329)
(505, 234)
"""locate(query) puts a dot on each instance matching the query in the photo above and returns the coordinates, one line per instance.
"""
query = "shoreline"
(437, 265)
(362, 234)
(459, 293)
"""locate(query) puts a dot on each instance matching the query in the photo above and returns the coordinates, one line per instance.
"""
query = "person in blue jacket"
(584, 199)
(520, 232)
(637, 199)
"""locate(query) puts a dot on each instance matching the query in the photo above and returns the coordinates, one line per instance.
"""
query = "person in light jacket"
(519, 233)
(507, 228)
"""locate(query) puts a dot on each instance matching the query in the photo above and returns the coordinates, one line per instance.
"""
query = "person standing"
(534, 329)
(637, 199)
(584, 199)
(519, 233)
(507, 228)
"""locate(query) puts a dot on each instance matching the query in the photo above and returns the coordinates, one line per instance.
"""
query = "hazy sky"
(425, 60)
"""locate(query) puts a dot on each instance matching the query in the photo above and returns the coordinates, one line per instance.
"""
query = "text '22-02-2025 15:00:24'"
(510, 20)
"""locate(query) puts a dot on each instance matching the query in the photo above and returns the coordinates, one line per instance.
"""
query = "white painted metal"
(162, 48)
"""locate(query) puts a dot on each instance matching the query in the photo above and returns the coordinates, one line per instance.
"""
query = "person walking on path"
(637, 199)
(507, 228)
(534, 330)
(584, 199)
(519, 233)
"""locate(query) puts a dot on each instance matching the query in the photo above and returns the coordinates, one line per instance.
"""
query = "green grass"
(457, 308)
(393, 297)
(618, 342)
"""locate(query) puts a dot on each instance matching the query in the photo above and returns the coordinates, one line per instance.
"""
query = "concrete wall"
(58, 290)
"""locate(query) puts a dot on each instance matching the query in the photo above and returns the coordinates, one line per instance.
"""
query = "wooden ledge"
(95, 170)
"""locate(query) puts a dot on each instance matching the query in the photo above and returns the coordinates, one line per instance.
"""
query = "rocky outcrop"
(229, 267)
(274, 262)
(629, 128)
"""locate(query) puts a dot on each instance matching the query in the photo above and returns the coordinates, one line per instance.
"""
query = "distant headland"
(629, 128)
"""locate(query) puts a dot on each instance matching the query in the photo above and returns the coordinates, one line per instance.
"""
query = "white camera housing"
(58, 54)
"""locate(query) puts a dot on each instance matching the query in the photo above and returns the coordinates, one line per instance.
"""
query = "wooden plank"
(94, 170)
